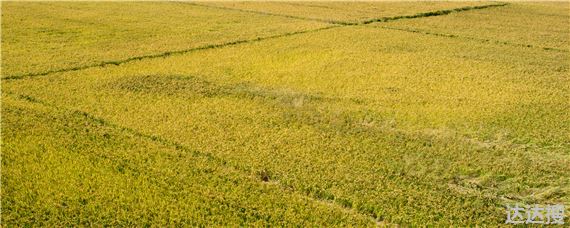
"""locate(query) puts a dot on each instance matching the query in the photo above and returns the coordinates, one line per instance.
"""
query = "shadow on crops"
(192, 87)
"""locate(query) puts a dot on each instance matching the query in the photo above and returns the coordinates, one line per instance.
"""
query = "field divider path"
(432, 13)
(348, 23)
(335, 24)
(481, 40)
(161, 55)
(267, 13)
(247, 172)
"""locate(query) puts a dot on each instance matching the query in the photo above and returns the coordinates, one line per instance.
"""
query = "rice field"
(283, 113)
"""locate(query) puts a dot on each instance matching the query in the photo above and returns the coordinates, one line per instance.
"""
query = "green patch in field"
(167, 85)
(191, 87)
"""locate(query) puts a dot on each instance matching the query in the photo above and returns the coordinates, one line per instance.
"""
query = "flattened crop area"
(283, 113)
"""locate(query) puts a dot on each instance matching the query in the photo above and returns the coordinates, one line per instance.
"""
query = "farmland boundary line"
(247, 172)
(349, 23)
(231, 43)
(432, 13)
(482, 40)
(162, 55)
(267, 13)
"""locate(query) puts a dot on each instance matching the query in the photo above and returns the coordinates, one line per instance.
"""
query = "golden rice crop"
(347, 12)
(356, 124)
(64, 168)
(544, 25)
(47, 36)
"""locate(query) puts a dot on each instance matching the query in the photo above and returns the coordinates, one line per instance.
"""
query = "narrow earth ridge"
(212, 46)
(482, 40)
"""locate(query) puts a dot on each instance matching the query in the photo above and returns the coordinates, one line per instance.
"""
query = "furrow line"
(212, 46)
(348, 23)
(160, 55)
(269, 14)
(432, 13)
(471, 38)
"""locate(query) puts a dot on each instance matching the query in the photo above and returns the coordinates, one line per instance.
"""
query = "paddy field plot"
(340, 12)
(284, 119)
(40, 37)
(546, 25)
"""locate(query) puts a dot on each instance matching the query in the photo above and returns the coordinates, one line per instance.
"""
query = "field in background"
(314, 113)
(339, 12)
(39, 37)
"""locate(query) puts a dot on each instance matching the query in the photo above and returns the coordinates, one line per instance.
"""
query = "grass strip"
(471, 38)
